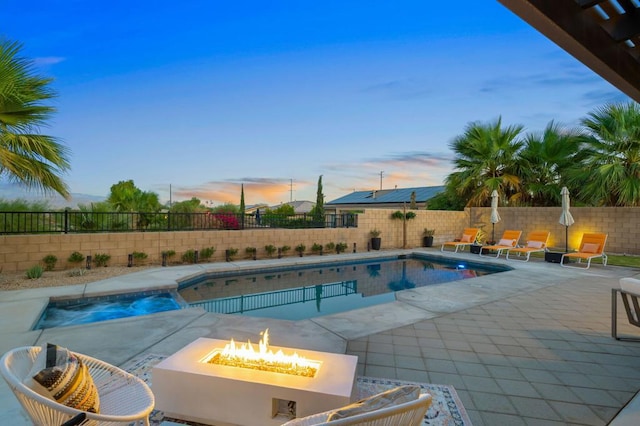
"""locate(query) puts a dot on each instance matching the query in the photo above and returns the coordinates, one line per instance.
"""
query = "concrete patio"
(530, 346)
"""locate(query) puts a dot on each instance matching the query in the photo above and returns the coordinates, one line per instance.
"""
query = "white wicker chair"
(124, 398)
(406, 414)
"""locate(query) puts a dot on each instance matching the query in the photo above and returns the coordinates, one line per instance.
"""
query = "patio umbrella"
(495, 216)
(565, 218)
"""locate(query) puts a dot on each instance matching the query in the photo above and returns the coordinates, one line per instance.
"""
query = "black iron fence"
(69, 221)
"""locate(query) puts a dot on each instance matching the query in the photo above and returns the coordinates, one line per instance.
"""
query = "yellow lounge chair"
(508, 241)
(536, 242)
(591, 247)
(469, 236)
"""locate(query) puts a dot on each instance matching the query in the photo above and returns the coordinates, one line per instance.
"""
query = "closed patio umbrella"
(495, 216)
(565, 217)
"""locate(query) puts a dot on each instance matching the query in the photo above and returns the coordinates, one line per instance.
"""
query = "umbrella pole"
(493, 233)
(566, 239)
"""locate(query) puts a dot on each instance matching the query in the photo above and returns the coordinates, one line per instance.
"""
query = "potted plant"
(375, 239)
(427, 237)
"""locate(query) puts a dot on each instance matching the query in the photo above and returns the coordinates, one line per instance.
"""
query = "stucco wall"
(20, 252)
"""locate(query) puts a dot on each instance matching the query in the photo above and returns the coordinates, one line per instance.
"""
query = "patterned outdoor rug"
(445, 410)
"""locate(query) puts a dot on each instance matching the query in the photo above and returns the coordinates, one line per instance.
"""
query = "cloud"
(256, 190)
(48, 60)
(399, 89)
(604, 96)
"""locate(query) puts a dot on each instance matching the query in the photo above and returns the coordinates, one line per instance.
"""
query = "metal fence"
(252, 302)
(69, 221)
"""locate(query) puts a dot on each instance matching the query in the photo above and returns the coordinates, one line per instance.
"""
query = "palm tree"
(611, 176)
(26, 156)
(486, 159)
(546, 161)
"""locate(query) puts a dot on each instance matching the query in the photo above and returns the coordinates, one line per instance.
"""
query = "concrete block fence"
(20, 252)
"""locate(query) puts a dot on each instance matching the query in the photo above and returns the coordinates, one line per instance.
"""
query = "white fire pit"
(188, 387)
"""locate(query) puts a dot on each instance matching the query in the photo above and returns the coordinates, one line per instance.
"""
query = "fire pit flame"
(245, 356)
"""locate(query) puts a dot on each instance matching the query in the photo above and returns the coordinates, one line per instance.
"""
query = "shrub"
(49, 262)
(35, 272)
(300, 248)
(284, 249)
(101, 259)
(316, 248)
(375, 233)
(169, 253)
(189, 256)
(250, 252)
(207, 253)
(231, 252)
(139, 255)
(341, 247)
(329, 247)
(270, 249)
(76, 257)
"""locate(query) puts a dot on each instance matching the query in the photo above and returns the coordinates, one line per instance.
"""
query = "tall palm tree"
(486, 159)
(611, 176)
(546, 161)
(26, 156)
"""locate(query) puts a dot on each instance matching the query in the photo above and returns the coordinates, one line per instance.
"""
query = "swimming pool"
(303, 292)
(67, 312)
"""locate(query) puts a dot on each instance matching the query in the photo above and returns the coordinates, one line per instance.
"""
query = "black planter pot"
(375, 243)
(475, 249)
(427, 241)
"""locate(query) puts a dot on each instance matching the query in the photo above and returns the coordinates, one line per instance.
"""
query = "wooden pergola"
(602, 34)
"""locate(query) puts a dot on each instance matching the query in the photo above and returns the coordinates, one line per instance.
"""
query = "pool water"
(88, 310)
(305, 292)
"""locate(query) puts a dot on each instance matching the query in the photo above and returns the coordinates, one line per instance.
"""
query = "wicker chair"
(407, 414)
(124, 398)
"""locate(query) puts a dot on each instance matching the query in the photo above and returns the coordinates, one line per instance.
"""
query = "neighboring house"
(299, 207)
(252, 208)
(383, 199)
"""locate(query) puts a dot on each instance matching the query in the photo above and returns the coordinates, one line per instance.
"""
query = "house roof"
(397, 195)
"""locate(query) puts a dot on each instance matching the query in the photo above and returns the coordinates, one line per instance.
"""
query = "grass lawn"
(612, 259)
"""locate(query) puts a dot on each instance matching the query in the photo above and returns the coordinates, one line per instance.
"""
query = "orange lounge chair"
(536, 242)
(591, 247)
(469, 236)
(508, 241)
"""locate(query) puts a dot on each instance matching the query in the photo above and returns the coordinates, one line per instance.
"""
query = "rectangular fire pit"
(187, 387)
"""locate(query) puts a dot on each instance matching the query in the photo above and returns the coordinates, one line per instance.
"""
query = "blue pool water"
(297, 293)
(83, 311)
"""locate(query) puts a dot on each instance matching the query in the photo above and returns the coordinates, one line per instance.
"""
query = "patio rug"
(445, 410)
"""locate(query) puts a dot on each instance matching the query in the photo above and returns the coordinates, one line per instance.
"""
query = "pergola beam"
(576, 30)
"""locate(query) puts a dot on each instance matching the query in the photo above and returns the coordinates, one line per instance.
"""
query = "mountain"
(13, 192)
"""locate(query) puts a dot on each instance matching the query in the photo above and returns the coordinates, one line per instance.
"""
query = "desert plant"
(101, 259)
(329, 247)
(284, 249)
(341, 247)
(35, 272)
(168, 253)
(207, 253)
(300, 248)
(49, 262)
(375, 233)
(428, 232)
(75, 257)
(231, 252)
(139, 255)
(316, 248)
(189, 256)
(250, 252)
(77, 272)
(270, 249)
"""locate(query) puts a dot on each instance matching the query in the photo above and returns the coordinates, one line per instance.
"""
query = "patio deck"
(530, 346)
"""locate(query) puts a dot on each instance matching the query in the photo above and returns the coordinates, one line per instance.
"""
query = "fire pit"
(217, 382)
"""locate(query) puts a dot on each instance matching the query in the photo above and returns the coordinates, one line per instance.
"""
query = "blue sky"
(201, 96)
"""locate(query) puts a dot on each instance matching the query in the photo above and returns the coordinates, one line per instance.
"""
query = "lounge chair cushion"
(466, 239)
(505, 242)
(535, 244)
(392, 397)
(590, 248)
(60, 375)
